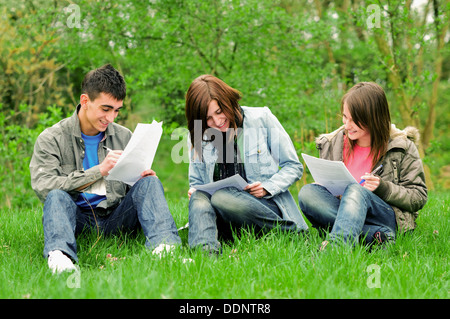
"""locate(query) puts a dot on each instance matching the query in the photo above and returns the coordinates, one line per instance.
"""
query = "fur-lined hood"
(409, 132)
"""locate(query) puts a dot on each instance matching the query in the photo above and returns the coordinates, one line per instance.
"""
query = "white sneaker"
(58, 262)
(163, 249)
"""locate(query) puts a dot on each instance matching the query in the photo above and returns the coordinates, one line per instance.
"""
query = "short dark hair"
(106, 80)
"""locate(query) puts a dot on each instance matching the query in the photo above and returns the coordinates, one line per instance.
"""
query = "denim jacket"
(57, 161)
(269, 157)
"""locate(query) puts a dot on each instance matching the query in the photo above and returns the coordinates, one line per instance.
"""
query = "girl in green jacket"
(387, 198)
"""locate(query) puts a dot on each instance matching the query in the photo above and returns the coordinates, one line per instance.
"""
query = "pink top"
(359, 162)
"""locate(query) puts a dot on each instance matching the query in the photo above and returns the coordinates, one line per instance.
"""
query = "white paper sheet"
(184, 227)
(233, 181)
(98, 188)
(331, 174)
(138, 155)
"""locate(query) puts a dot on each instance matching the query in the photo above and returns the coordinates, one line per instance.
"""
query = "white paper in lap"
(333, 175)
(233, 181)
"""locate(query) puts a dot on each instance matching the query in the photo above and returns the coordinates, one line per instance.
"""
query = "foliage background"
(296, 56)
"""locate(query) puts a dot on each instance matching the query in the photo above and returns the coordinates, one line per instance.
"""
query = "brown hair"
(368, 106)
(201, 92)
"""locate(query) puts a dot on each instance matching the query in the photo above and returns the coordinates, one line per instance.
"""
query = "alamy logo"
(373, 20)
(374, 279)
(74, 280)
(257, 144)
(74, 19)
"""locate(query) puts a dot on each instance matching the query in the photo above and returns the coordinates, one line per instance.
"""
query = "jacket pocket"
(396, 162)
(258, 153)
(395, 171)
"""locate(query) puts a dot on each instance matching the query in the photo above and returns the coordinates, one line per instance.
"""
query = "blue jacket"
(269, 157)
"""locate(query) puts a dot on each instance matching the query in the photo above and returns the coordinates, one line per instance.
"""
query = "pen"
(107, 148)
(373, 172)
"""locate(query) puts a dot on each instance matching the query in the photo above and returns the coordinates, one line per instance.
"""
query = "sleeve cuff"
(93, 173)
(382, 190)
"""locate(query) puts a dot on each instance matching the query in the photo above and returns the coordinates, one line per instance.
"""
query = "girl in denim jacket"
(228, 139)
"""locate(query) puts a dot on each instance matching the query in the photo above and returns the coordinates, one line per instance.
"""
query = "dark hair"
(106, 80)
(368, 106)
(200, 93)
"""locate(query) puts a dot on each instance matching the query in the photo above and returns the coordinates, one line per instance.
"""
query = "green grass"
(275, 266)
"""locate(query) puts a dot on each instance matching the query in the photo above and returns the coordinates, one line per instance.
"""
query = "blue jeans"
(358, 212)
(210, 215)
(144, 206)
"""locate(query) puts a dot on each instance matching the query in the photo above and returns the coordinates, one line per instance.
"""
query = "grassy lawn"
(275, 266)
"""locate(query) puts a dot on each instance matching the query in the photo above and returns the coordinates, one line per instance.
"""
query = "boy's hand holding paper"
(109, 162)
(137, 157)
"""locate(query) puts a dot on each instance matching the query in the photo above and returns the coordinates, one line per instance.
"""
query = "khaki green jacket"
(402, 183)
(57, 161)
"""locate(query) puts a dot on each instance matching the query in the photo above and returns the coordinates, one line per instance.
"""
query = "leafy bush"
(16, 147)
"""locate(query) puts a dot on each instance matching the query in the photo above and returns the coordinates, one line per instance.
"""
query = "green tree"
(296, 56)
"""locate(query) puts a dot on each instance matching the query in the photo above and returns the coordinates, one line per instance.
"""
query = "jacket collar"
(330, 136)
